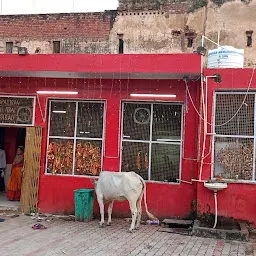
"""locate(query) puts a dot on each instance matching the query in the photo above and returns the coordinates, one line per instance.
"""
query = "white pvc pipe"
(204, 37)
(218, 49)
(216, 209)
(205, 119)
(185, 181)
(205, 130)
(198, 180)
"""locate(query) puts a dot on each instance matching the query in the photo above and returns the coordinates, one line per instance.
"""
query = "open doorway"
(10, 139)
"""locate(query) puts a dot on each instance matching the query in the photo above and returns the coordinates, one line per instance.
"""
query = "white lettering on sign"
(14, 110)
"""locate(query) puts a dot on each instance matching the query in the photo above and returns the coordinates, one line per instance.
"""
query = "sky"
(55, 6)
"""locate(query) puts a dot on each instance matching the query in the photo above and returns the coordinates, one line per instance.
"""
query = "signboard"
(17, 110)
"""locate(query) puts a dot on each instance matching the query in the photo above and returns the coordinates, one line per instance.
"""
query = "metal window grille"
(75, 137)
(233, 158)
(226, 107)
(62, 119)
(234, 142)
(151, 140)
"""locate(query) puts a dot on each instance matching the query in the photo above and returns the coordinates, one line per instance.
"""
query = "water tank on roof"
(226, 57)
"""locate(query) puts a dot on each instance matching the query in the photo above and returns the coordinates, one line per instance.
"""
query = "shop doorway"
(30, 138)
(10, 139)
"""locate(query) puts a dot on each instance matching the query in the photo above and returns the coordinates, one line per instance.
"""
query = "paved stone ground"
(8, 205)
(62, 237)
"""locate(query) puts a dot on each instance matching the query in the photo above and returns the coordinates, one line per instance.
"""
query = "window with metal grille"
(56, 46)
(152, 139)
(235, 139)
(75, 140)
(9, 47)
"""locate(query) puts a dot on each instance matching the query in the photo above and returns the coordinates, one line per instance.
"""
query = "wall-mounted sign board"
(17, 110)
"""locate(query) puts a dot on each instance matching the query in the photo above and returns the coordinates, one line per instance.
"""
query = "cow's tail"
(150, 215)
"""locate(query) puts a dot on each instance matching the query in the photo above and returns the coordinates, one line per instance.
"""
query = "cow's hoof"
(109, 224)
(137, 228)
(130, 230)
(101, 225)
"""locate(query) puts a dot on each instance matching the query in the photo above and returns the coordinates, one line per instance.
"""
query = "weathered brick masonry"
(77, 32)
(148, 26)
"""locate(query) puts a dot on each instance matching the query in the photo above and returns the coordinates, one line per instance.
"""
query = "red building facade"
(231, 143)
(104, 127)
(131, 113)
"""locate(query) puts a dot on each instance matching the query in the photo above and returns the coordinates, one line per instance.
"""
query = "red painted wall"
(56, 194)
(98, 64)
(238, 200)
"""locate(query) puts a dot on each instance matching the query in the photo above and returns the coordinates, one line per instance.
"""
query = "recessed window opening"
(56, 46)
(190, 42)
(176, 32)
(121, 46)
(9, 47)
(249, 38)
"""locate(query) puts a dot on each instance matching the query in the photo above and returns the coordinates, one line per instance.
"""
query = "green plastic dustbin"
(84, 199)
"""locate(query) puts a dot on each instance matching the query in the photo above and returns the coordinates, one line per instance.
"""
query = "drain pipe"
(216, 209)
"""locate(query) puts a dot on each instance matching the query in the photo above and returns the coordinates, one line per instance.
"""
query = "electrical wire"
(226, 122)
(249, 85)
(205, 116)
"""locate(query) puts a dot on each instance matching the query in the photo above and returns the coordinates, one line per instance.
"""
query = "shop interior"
(10, 139)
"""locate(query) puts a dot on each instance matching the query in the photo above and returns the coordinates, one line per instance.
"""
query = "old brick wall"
(233, 26)
(145, 5)
(77, 32)
(168, 30)
(148, 32)
(157, 31)
(132, 5)
(148, 26)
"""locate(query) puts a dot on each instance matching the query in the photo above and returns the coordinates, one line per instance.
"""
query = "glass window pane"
(167, 122)
(233, 158)
(88, 157)
(60, 156)
(136, 121)
(135, 158)
(62, 121)
(226, 107)
(165, 162)
(90, 119)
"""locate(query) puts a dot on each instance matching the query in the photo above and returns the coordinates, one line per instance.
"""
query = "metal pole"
(218, 56)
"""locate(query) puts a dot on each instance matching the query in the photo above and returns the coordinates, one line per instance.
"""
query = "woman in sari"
(14, 184)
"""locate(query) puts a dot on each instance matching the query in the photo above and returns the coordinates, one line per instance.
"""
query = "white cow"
(121, 186)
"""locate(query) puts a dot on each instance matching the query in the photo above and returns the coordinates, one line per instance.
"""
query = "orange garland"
(146, 161)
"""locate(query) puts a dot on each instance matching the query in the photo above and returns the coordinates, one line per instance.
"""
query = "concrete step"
(182, 231)
(178, 222)
(5, 208)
